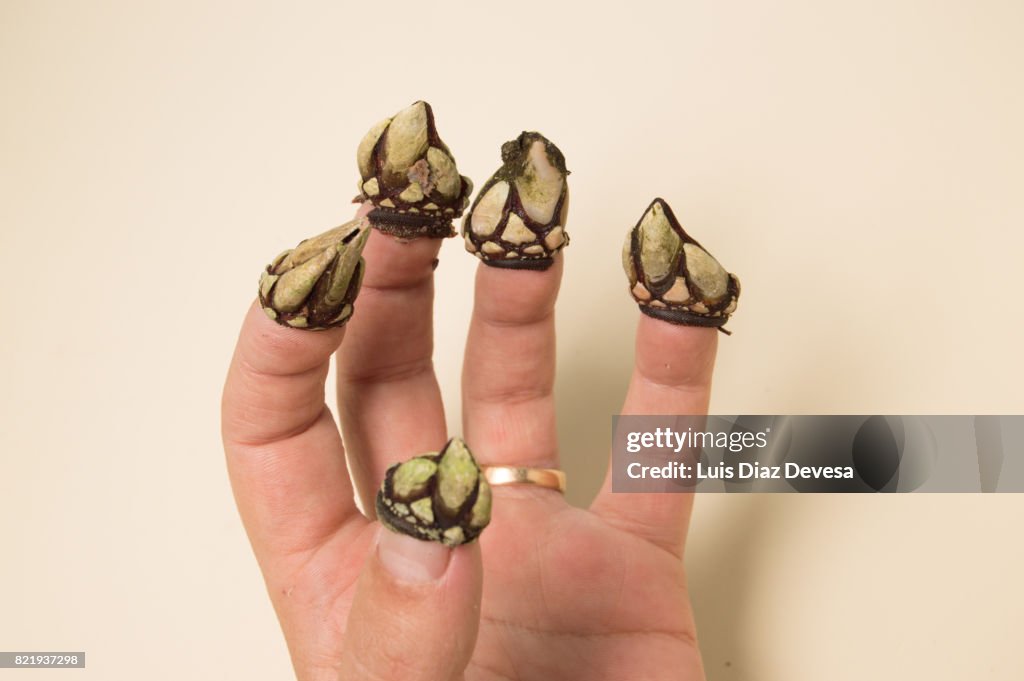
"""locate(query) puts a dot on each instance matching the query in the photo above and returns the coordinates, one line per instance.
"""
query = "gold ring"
(552, 478)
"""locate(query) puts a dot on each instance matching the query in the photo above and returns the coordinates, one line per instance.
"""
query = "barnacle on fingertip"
(439, 496)
(314, 285)
(674, 278)
(518, 218)
(409, 175)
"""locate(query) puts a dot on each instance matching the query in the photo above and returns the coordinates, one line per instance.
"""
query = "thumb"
(416, 611)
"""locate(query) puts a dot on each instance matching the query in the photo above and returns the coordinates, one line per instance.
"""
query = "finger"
(389, 401)
(284, 454)
(508, 374)
(672, 375)
(416, 612)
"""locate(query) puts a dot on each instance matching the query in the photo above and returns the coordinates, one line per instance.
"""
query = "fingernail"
(412, 560)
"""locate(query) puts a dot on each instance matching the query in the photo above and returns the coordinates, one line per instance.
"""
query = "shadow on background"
(725, 554)
(722, 561)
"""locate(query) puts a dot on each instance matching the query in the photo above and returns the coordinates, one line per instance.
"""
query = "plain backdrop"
(858, 165)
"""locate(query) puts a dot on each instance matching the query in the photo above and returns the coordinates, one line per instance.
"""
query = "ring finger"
(508, 376)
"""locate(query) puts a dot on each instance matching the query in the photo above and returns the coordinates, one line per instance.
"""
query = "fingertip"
(657, 337)
(416, 611)
(673, 354)
(466, 565)
(394, 263)
(412, 560)
(271, 348)
(512, 296)
(416, 561)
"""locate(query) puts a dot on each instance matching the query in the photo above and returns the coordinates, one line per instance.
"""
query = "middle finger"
(389, 402)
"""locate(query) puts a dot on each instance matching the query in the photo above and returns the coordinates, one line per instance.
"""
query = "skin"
(549, 591)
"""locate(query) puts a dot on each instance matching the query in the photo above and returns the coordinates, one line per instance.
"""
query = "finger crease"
(634, 527)
(251, 370)
(687, 388)
(282, 436)
(544, 317)
(399, 285)
(390, 373)
(685, 636)
(512, 396)
(492, 671)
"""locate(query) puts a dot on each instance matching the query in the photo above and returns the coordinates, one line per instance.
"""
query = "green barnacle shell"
(672, 277)
(518, 218)
(409, 175)
(314, 285)
(440, 497)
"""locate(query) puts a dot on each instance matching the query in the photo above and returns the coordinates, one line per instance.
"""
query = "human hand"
(549, 591)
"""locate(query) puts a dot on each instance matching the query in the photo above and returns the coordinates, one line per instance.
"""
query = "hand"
(549, 591)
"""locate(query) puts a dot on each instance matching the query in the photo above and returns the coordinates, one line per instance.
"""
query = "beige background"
(859, 165)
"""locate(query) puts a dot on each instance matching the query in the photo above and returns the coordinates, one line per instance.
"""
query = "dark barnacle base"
(685, 318)
(410, 226)
(537, 264)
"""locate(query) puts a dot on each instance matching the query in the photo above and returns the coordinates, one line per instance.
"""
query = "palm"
(567, 596)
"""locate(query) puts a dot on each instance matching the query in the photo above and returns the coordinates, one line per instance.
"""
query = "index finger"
(284, 452)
